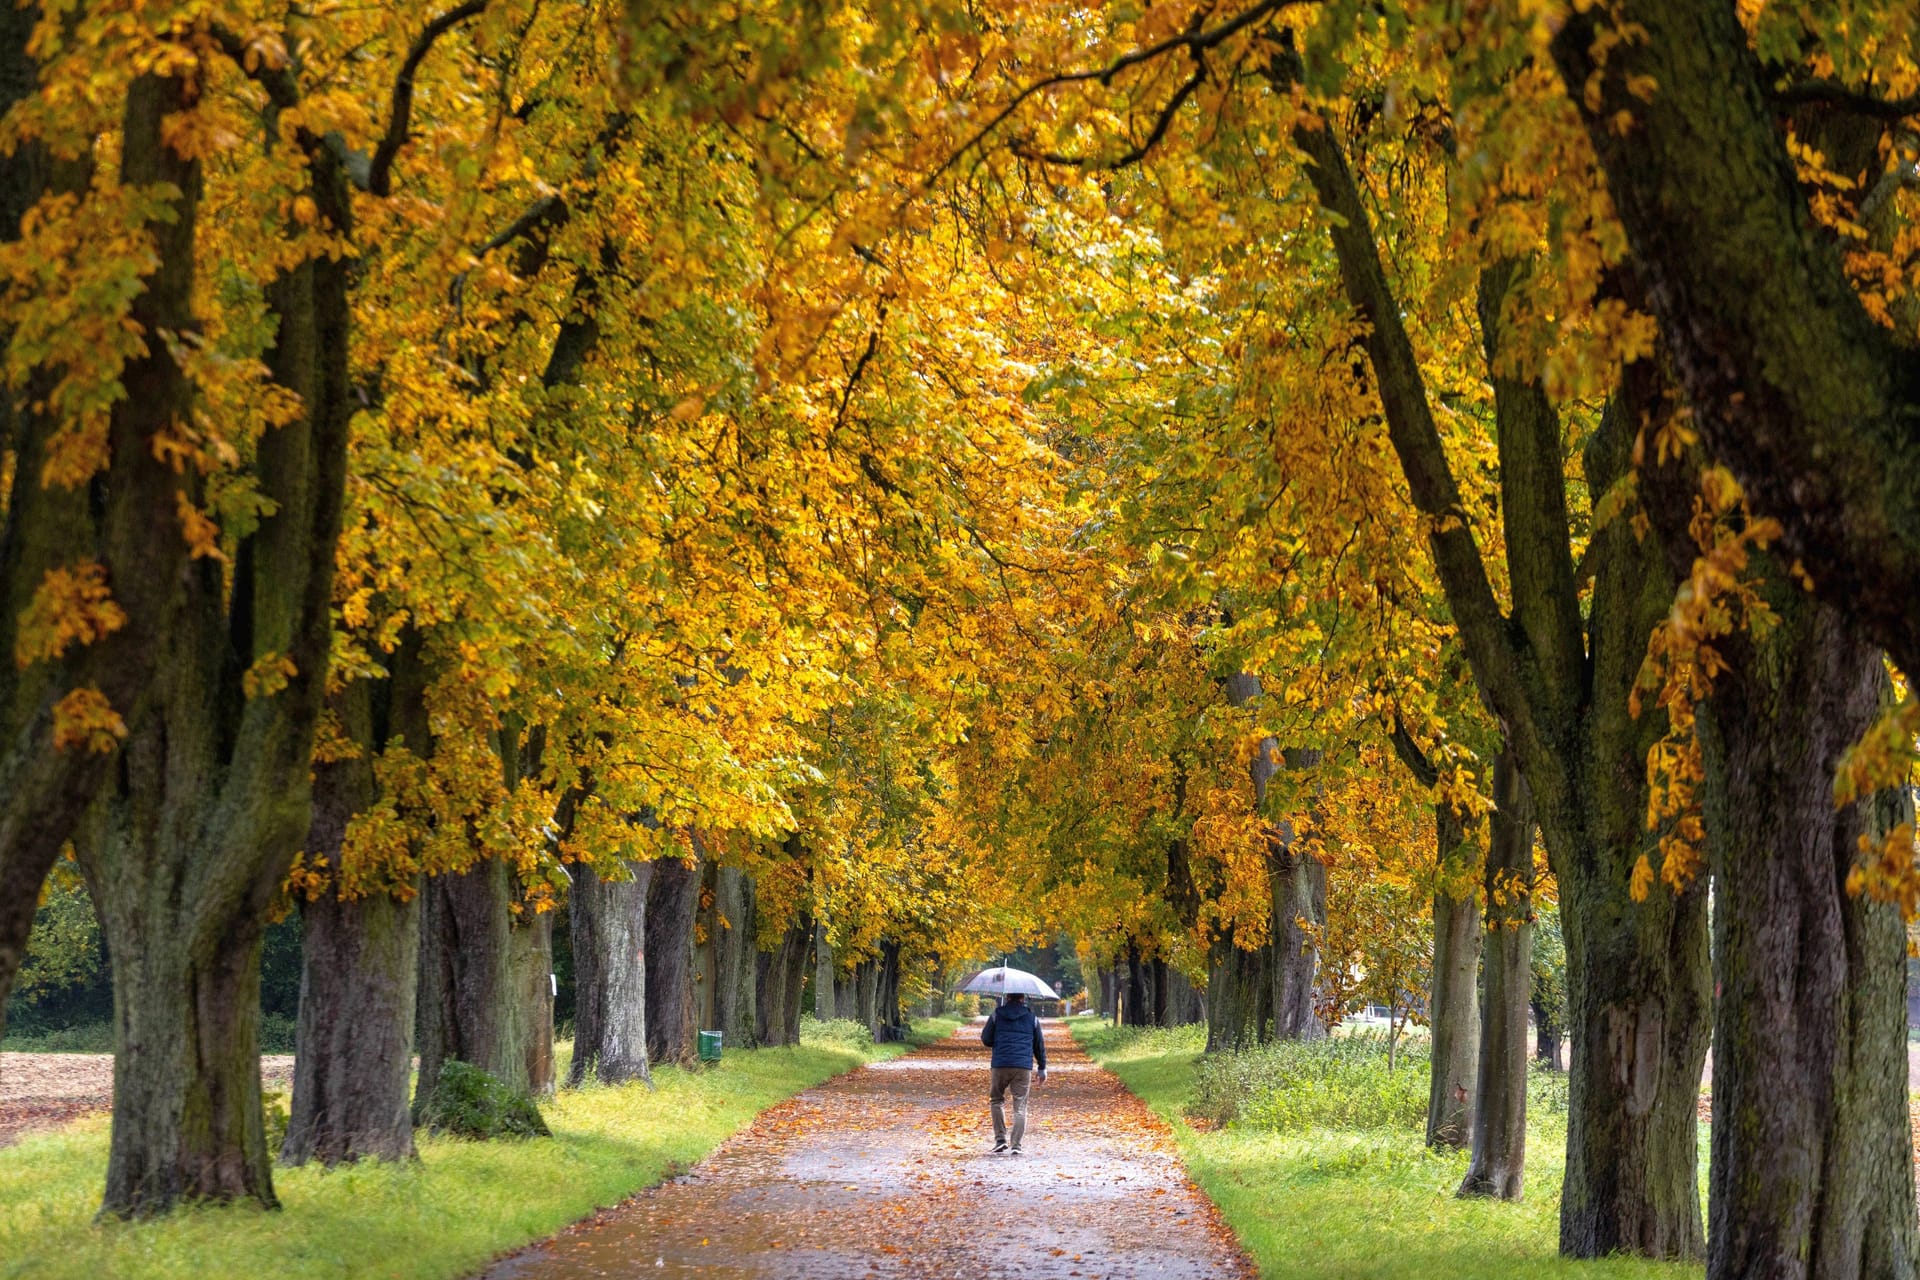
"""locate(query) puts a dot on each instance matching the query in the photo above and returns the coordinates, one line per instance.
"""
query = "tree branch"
(1410, 425)
(1196, 39)
(400, 113)
(1831, 93)
(1533, 492)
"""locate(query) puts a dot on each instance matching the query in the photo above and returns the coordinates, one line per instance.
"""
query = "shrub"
(1339, 1083)
(277, 1032)
(839, 1033)
(88, 1037)
(468, 1103)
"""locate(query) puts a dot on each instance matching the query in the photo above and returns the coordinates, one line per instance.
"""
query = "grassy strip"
(447, 1214)
(1319, 1202)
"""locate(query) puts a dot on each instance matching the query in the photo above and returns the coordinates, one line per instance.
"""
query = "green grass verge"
(1338, 1204)
(447, 1214)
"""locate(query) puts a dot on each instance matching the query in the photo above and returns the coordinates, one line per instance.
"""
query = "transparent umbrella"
(1005, 981)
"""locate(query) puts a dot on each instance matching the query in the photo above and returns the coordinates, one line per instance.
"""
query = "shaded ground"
(886, 1172)
(46, 1090)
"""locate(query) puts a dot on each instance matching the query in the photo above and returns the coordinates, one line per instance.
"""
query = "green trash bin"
(709, 1049)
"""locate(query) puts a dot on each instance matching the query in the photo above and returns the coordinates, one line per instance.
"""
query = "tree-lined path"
(886, 1172)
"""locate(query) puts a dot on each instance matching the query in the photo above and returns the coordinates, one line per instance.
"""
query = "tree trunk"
(672, 901)
(1500, 1114)
(531, 961)
(1299, 907)
(1239, 995)
(823, 1000)
(725, 976)
(186, 848)
(1137, 1008)
(1812, 1170)
(609, 922)
(846, 996)
(470, 1007)
(1456, 971)
(789, 995)
(359, 957)
(1547, 1046)
(187, 1121)
(866, 996)
(891, 1026)
(782, 974)
(1639, 1005)
(354, 1052)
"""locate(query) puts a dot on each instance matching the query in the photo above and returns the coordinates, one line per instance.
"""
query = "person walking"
(1013, 1033)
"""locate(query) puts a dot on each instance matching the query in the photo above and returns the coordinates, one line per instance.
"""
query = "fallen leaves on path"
(887, 1172)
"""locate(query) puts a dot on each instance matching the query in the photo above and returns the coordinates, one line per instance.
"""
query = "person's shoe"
(1016, 1151)
(998, 1147)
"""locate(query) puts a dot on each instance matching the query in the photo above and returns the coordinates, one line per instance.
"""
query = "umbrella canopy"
(1003, 981)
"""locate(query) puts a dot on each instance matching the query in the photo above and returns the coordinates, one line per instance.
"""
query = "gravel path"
(885, 1172)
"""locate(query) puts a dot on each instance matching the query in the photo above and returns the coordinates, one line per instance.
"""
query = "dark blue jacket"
(1013, 1033)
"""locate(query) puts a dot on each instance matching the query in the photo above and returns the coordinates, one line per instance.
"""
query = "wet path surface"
(886, 1172)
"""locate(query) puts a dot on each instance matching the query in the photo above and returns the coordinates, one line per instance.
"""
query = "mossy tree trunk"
(530, 959)
(1499, 1159)
(1451, 1008)
(188, 845)
(126, 520)
(1451, 1011)
(1794, 386)
(1812, 1169)
(725, 970)
(470, 1007)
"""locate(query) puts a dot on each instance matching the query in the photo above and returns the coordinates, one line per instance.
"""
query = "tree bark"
(187, 847)
(1136, 1009)
(866, 996)
(470, 1007)
(823, 1002)
(354, 1051)
(609, 922)
(781, 982)
(1451, 1013)
(1239, 995)
(726, 969)
(126, 520)
(1794, 386)
(359, 972)
(1812, 1169)
(1500, 1114)
(530, 943)
(673, 898)
(890, 1025)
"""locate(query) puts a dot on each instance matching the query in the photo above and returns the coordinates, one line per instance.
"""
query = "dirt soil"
(46, 1090)
(886, 1172)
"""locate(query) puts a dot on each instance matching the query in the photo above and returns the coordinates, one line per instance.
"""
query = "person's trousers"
(1014, 1080)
